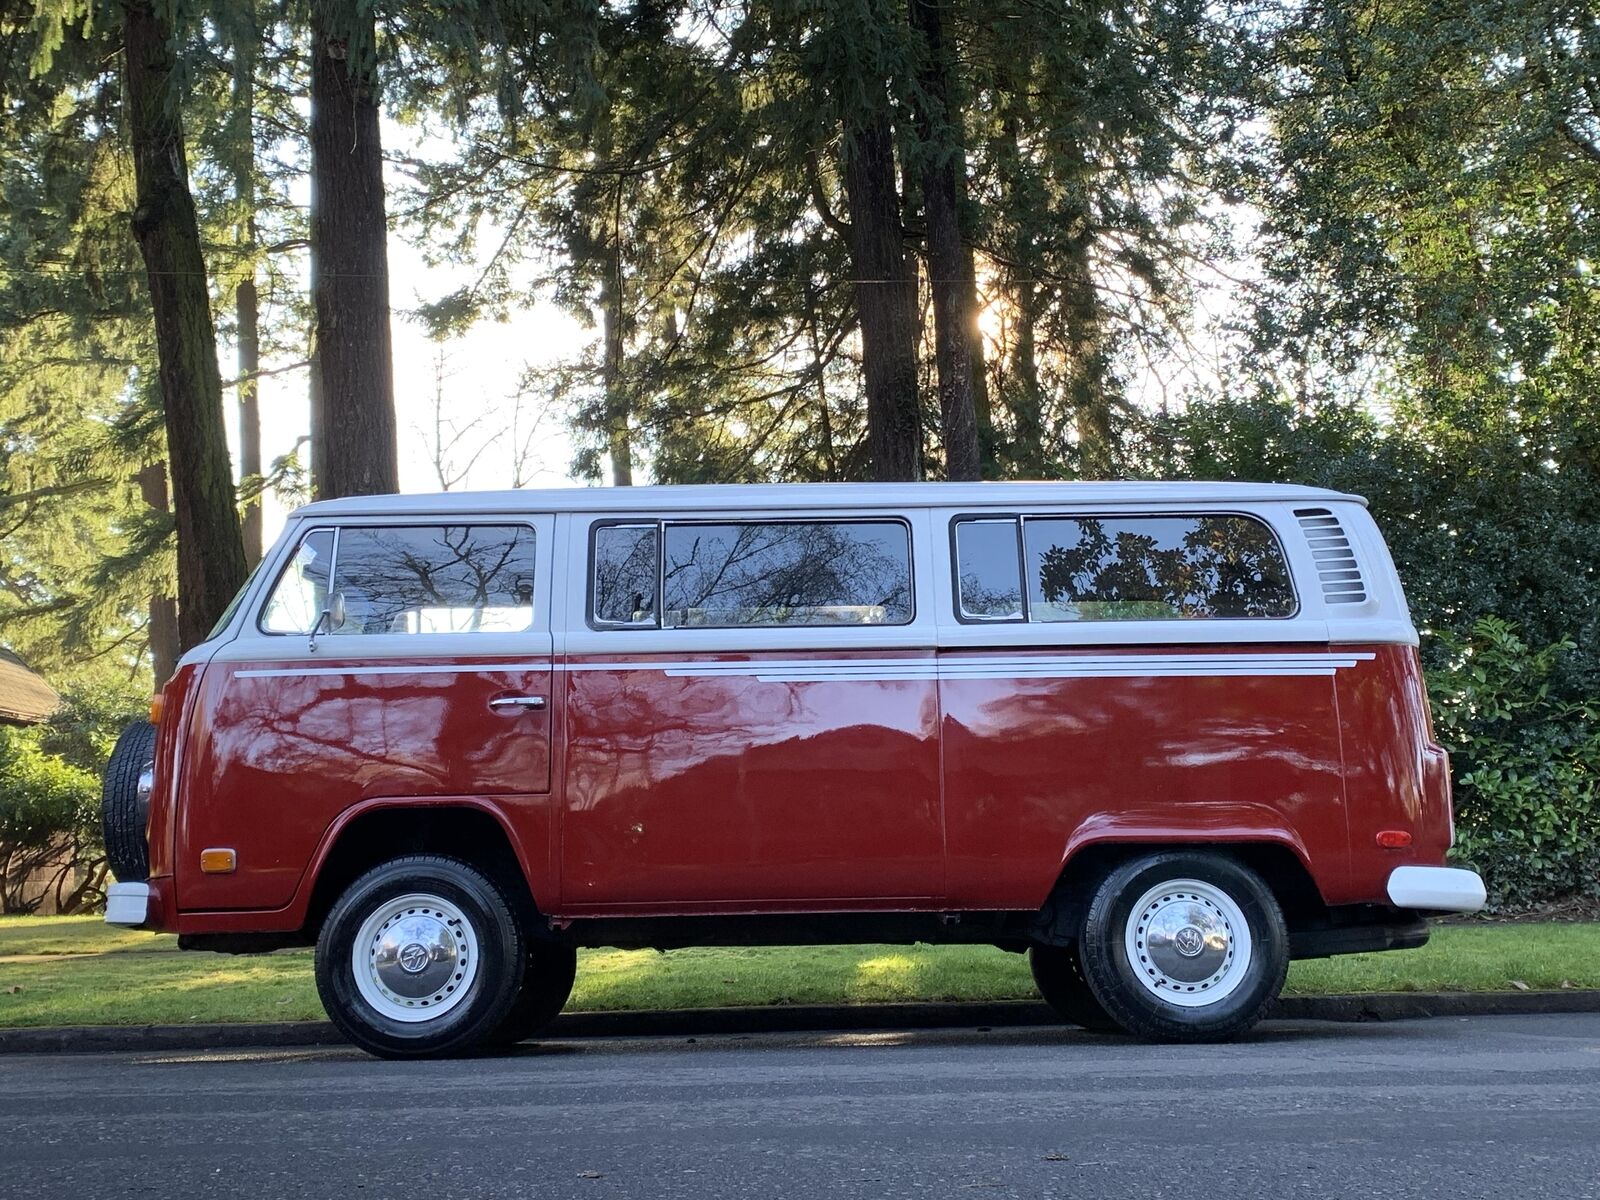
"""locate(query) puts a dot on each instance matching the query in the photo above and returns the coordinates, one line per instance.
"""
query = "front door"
(430, 679)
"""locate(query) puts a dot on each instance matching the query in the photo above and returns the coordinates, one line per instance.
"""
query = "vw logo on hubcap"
(413, 958)
(1188, 941)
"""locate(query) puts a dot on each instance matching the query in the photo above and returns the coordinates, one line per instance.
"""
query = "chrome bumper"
(127, 903)
(1436, 889)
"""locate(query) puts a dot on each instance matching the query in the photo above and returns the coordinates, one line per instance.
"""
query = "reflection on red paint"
(928, 786)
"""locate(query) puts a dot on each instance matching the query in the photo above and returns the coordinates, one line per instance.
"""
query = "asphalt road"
(1449, 1108)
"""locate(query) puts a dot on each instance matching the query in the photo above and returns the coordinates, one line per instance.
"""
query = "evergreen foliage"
(840, 239)
(1526, 767)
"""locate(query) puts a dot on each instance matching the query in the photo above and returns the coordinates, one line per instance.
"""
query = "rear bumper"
(127, 903)
(1358, 929)
(1436, 889)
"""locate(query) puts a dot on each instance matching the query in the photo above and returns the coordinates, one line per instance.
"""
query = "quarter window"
(301, 593)
(989, 570)
(626, 566)
(1116, 568)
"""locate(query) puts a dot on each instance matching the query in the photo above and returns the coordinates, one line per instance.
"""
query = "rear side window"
(740, 574)
(788, 573)
(414, 579)
(1131, 568)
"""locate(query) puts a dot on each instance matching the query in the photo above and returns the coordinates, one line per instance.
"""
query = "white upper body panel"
(822, 497)
(563, 519)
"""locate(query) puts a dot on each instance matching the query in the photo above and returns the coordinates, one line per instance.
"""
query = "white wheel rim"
(1188, 943)
(415, 958)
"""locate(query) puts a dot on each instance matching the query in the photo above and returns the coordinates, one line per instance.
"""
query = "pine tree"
(355, 421)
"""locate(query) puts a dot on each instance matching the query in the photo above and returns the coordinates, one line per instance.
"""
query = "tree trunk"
(349, 230)
(247, 311)
(211, 566)
(1026, 393)
(886, 297)
(316, 453)
(1087, 360)
(618, 444)
(988, 452)
(950, 270)
(246, 302)
(163, 627)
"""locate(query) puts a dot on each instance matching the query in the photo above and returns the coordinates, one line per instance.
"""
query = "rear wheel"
(1187, 946)
(420, 958)
(1059, 978)
(546, 983)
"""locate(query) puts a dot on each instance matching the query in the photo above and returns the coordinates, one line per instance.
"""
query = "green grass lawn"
(78, 971)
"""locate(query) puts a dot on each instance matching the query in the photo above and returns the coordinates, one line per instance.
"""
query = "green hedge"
(1525, 767)
(49, 821)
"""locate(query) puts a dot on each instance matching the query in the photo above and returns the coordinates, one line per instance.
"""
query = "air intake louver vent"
(1336, 561)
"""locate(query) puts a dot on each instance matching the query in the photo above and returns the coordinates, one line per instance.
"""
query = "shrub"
(49, 828)
(1526, 767)
(84, 730)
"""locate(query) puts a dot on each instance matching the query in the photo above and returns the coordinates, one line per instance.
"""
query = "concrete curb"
(1378, 1006)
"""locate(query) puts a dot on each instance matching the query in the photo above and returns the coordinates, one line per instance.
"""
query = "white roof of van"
(760, 496)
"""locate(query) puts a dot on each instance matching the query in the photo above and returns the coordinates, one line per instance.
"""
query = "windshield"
(233, 605)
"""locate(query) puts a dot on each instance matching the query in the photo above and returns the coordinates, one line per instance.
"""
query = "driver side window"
(407, 579)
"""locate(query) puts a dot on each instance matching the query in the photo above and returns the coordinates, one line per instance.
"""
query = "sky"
(480, 371)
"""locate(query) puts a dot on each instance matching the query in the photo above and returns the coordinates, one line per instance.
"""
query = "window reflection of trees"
(1150, 568)
(471, 577)
(625, 574)
(990, 575)
(793, 573)
(993, 600)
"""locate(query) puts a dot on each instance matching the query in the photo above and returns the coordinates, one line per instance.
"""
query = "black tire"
(1172, 1008)
(460, 906)
(1059, 977)
(546, 983)
(124, 816)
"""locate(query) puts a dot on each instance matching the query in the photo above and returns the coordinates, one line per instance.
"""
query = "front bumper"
(127, 903)
(1436, 889)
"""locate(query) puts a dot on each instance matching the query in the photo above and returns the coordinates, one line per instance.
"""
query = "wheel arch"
(1278, 859)
(375, 832)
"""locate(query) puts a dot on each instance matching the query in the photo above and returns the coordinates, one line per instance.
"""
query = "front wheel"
(421, 957)
(1184, 947)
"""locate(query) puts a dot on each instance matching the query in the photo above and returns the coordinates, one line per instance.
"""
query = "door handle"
(527, 703)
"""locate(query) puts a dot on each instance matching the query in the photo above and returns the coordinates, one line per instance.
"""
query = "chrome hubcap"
(415, 958)
(1188, 943)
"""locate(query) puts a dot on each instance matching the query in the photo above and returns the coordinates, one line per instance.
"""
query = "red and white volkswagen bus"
(1161, 737)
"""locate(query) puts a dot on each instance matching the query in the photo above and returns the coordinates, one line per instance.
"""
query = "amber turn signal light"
(1394, 839)
(218, 861)
(155, 709)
